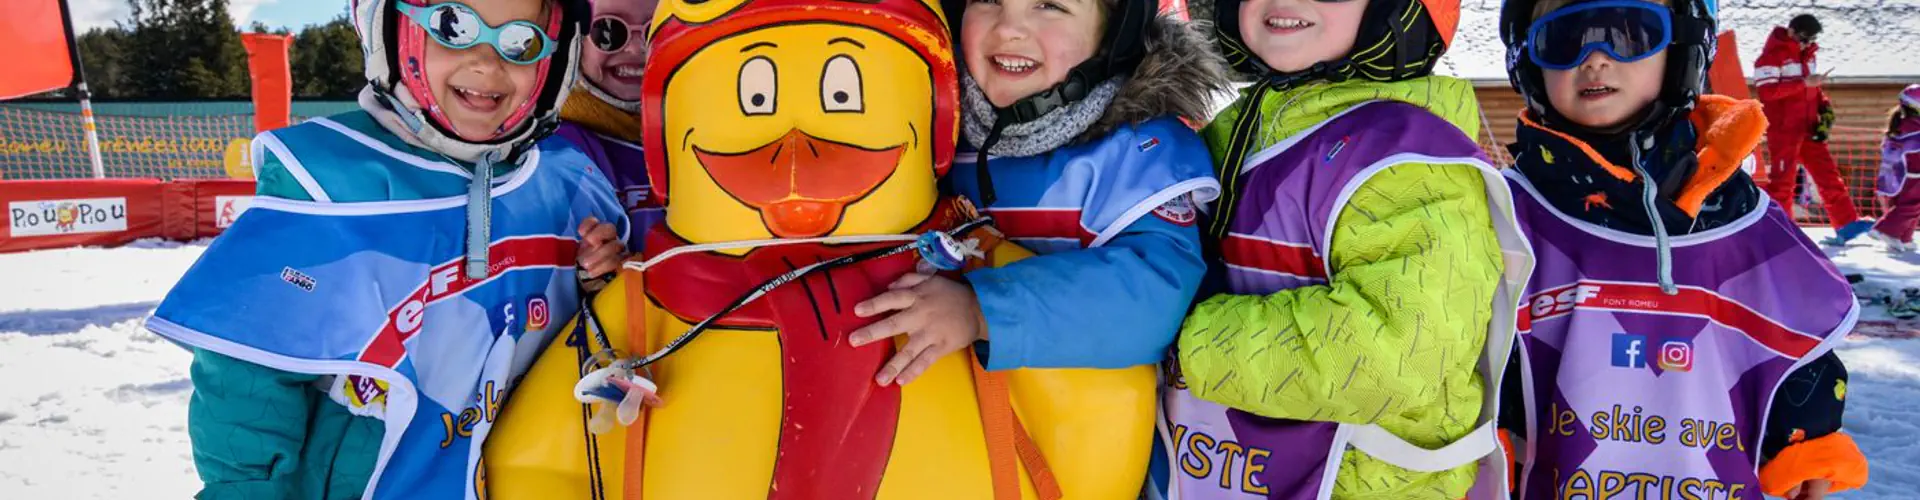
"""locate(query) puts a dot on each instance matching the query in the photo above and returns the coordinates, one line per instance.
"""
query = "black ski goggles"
(1625, 30)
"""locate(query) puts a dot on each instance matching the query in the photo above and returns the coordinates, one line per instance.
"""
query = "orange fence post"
(272, 79)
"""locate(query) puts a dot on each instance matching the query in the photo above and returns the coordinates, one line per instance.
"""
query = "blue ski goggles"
(456, 26)
(1625, 30)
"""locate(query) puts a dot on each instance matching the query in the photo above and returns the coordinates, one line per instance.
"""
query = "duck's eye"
(759, 86)
(840, 86)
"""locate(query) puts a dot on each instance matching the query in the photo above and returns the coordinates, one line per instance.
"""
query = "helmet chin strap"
(607, 97)
(1028, 109)
(1122, 47)
(1331, 71)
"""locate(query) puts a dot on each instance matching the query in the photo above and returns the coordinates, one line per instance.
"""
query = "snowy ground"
(93, 406)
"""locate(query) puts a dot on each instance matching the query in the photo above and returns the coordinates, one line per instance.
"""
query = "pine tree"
(326, 61)
(185, 49)
(103, 55)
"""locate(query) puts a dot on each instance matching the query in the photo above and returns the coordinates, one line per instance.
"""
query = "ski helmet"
(395, 80)
(1122, 46)
(1688, 57)
(1910, 98)
(1398, 40)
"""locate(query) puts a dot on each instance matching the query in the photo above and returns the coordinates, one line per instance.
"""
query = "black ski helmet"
(1398, 40)
(1689, 56)
(1123, 45)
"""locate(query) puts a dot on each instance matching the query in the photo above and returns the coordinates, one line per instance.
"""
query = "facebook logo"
(1629, 350)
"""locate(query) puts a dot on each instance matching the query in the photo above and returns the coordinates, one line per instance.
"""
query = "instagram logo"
(1676, 356)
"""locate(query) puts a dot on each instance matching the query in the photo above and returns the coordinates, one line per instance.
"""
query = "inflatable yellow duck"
(783, 134)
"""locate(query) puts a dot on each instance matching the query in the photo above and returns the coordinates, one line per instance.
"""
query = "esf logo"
(1631, 351)
(1546, 305)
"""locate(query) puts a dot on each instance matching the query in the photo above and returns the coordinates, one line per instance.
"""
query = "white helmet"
(380, 24)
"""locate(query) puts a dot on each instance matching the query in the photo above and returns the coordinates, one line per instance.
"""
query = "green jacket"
(1394, 338)
(261, 433)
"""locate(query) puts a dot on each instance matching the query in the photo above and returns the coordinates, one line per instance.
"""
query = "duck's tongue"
(802, 218)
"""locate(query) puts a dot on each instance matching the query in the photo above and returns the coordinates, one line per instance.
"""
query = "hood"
(1286, 113)
(1178, 77)
(1781, 34)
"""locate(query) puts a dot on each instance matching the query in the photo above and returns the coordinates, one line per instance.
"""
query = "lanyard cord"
(923, 245)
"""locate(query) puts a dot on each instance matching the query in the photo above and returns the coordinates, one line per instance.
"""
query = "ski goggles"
(456, 26)
(610, 34)
(1625, 30)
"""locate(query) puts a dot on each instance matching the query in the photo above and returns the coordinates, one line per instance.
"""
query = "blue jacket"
(1114, 223)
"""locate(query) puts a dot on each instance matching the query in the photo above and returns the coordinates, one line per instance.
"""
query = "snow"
(1861, 38)
(94, 406)
(91, 404)
(1883, 270)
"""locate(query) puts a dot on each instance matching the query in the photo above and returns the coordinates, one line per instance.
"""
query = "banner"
(42, 214)
(35, 35)
(55, 214)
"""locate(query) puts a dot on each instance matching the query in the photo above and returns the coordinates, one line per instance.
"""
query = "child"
(1073, 108)
(357, 331)
(1676, 334)
(602, 119)
(1900, 162)
(1364, 266)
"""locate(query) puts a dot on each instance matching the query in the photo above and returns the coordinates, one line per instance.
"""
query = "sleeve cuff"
(1833, 457)
(1001, 350)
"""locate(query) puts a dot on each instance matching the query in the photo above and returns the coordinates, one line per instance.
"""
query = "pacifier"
(615, 385)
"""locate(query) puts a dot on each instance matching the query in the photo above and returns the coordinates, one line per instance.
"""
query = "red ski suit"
(1792, 109)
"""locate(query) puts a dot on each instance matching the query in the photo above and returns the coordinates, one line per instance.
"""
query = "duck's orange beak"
(801, 184)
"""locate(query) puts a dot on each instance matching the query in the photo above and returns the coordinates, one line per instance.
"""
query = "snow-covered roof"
(1860, 39)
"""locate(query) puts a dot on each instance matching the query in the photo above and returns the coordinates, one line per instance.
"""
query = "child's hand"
(938, 315)
(600, 249)
(1813, 489)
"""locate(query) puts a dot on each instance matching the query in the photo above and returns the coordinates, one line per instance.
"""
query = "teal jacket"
(261, 433)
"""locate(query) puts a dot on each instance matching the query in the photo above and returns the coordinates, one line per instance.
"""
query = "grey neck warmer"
(1050, 132)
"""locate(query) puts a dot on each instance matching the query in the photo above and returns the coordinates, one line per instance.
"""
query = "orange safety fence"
(37, 144)
(184, 140)
(1856, 150)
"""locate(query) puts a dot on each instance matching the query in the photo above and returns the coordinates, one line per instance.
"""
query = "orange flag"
(272, 79)
(1728, 76)
(35, 35)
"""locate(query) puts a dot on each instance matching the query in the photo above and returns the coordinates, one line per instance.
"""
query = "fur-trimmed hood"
(1179, 77)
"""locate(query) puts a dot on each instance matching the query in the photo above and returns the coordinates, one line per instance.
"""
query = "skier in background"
(1800, 118)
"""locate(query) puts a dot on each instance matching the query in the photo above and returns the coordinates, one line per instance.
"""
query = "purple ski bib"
(1291, 195)
(1633, 393)
(624, 164)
